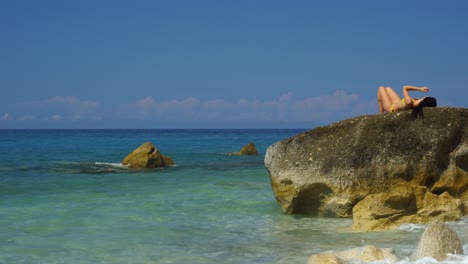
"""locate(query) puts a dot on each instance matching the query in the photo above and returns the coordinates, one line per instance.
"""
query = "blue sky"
(222, 64)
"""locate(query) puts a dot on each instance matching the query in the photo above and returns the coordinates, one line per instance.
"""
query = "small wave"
(228, 153)
(236, 153)
(426, 260)
(111, 164)
(412, 227)
(451, 259)
(456, 259)
(462, 221)
(89, 167)
(417, 227)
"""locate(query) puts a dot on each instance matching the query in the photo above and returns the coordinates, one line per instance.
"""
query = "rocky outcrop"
(329, 170)
(362, 254)
(248, 149)
(147, 156)
(404, 204)
(437, 241)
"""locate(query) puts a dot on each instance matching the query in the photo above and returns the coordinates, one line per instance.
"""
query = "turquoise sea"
(65, 198)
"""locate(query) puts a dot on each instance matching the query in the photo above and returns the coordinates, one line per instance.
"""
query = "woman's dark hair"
(426, 102)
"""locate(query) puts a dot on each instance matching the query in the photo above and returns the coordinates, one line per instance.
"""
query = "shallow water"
(65, 198)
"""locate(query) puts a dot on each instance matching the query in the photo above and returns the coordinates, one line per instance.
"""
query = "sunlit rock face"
(146, 156)
(248, 149)
(403, 166)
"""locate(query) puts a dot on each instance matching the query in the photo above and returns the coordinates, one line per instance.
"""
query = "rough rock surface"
(437, 241)
(324, 258)
(328, 170)
(146, 156)
(404, 204)
(248, 149)
(362, 254)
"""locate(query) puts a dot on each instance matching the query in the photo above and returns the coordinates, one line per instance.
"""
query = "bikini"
(402, 104)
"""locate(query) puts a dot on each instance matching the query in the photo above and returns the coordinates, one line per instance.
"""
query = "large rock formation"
(328, 170)
(146, 156)
(437, 241)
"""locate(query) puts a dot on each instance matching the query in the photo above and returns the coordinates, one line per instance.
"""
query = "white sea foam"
(412, 227)
(452, 259)
(112, 164)
(463, 221)
(416, 227)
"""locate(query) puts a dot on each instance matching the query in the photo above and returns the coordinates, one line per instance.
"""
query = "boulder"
(437, 241)
(328, 170)
(248, 149)
(146, 156)
(361, 254)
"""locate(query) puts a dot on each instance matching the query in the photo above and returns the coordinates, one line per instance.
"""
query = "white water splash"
(111, 164)
(412, 227)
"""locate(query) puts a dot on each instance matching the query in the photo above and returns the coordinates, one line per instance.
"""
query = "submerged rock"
(362, 254)
(248, 149)
(328, 170)
(324, 258)
(437, 241)
(146, 156)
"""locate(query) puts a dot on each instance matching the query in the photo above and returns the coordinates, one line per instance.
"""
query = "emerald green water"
(64, 198)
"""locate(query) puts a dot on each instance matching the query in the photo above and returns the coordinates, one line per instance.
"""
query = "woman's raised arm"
(408, 88)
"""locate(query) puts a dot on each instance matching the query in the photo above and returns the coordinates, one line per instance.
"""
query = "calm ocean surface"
(64, 198)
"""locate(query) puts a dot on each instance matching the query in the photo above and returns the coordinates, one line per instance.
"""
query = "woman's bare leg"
(394, 97)
(383, 98)
(379, 100)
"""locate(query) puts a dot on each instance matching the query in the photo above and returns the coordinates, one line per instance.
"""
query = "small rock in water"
(361, 254)
(248, 149)
(437, 241)
(146, 156)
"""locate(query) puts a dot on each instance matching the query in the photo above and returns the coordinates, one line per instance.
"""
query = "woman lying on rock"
(390, 101)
